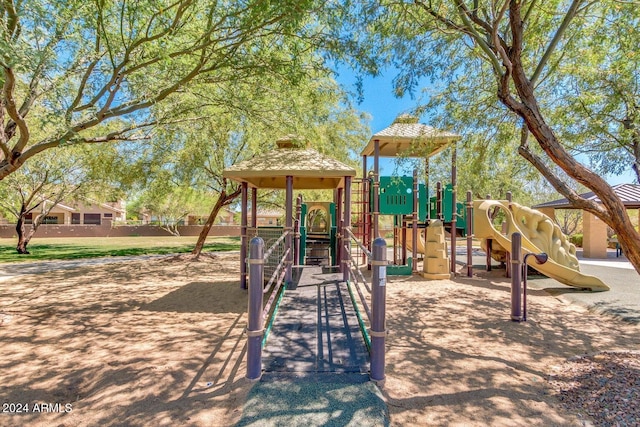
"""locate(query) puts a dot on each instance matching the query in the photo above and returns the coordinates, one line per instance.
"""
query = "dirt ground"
(161, 342)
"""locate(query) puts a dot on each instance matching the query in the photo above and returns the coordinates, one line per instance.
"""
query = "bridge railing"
(375, 335)
(261, 315)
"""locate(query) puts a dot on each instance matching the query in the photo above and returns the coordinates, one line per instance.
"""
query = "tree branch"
(3, 137)
(557, 183)
(495, 61)
(12, 110)
(568, 17)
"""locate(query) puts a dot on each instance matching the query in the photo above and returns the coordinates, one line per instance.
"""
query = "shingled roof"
(309, 168)
(628, 193)
(408, 137)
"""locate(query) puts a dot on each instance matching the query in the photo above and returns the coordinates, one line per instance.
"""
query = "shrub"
(576, 239)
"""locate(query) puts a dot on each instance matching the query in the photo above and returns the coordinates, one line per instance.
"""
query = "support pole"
(254, 208)
(289, 227)
(346, 224)
(454, 207)
(414, 225)
(516, 274)
(243, 236)
(376, 189)
(403, 239)
(469, 234)
(296, 230)
(439, 214)
(366, 209)
(426, 186)
(255, 324)
(339, 231)
(396, 237)
(378, 313)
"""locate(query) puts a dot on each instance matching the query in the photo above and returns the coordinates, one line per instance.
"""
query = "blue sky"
(380, 102)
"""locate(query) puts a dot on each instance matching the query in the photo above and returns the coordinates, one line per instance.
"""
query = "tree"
(600, 103)
(568, 220)
(512, 49)
(216, 124)
(87, 64)
(30, 194)
(170, 203)
(315, 110)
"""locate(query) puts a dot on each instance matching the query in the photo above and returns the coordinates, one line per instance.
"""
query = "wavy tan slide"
(539, 234)
(420, 246)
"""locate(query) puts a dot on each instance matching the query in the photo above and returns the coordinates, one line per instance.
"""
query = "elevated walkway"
(315, 361)
(316, 329)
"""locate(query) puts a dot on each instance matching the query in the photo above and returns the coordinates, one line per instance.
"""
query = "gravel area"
(603, 389)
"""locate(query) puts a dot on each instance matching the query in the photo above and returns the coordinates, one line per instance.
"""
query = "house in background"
(83, 213)
(225, 217)
(267, 217)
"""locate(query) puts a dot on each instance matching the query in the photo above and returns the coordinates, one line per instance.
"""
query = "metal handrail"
(363, 299)
(356, 275)
(360, 245)
(261, 316)
(269, 251)
(275, 271)
(353, 262)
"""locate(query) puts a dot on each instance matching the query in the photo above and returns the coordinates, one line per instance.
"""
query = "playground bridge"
(317, 328)
(312, 322)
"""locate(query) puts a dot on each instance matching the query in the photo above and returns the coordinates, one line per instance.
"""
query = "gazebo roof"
(628, 193)
(408, 137)
(309, 169)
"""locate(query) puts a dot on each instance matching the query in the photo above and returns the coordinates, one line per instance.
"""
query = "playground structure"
(321, 233)
(539, 234)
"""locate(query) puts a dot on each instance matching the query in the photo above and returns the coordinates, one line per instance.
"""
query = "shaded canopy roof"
(628, 193)
(408, 137)
(309, 169)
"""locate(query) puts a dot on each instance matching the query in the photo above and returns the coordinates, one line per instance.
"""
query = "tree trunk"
(24, 236)
(223, 199)
(611, 209)
(22, 244)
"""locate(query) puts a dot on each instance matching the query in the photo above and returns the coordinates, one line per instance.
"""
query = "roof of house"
(265, 213)
(407, 137)
(628, 193)
(79, 206)
(309, 169)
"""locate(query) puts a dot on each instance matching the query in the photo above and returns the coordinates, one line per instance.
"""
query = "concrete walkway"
(623, 300)
(14, 269)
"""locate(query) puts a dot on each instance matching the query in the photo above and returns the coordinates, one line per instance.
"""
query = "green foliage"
(586, 79)
(100, 71)
(46, 181)
(598, 84)
(576, 239)
(214, 126)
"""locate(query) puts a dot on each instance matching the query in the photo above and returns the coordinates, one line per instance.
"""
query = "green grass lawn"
(92, 247)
